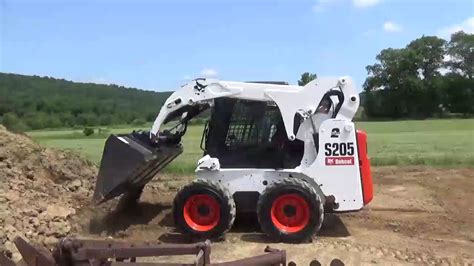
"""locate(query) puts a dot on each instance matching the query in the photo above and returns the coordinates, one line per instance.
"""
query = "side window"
(254, 123)
(243, 125)
(273, 130)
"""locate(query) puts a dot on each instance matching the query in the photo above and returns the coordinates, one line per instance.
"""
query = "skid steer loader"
(288, 153)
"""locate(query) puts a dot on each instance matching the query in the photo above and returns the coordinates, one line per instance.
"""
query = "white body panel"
(341, 181)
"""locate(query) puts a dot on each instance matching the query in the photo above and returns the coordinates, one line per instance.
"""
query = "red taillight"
(364, 165)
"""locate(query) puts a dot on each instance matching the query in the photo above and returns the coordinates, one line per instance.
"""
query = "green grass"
(429, 142)
(91, 147)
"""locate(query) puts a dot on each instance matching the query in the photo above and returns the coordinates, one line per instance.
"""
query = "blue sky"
(159, 44)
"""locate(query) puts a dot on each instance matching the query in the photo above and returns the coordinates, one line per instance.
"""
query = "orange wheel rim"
(202, 212)
(290, 213)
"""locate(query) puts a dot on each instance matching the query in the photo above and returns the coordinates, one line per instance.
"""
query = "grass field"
(430, 142)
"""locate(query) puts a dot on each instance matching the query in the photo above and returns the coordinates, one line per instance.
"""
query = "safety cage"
(249, 134)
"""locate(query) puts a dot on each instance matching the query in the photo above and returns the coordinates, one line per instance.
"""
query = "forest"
(32, 102)
(430, 77)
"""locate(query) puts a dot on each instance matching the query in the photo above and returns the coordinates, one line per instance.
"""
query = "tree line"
(430, 77)
(32, 102)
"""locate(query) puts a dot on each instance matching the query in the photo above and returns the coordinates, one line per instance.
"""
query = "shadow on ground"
(248, 230)
(332, 227)
(119, 220)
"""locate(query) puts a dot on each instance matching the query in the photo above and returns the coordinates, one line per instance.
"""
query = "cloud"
(444, 70)
(390, 26)
(321, 5)
(467, 26)
(209, 73)
(365, 3)
(317, 7)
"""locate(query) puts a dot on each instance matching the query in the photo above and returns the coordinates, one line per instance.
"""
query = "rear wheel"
(290, 211)
(204, 208)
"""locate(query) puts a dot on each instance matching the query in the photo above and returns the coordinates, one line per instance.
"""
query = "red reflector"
(364, 164)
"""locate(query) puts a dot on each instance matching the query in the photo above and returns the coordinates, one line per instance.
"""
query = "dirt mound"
(40, 189)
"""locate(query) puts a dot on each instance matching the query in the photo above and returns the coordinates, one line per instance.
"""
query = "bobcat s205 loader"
(288, 153)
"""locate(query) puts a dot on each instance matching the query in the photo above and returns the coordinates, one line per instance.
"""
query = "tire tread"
(293, 182)
(229, 200)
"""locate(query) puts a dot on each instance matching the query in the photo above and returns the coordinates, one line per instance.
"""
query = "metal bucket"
(129, 161)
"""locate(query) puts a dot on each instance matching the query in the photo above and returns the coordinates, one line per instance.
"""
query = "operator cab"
(249, 134)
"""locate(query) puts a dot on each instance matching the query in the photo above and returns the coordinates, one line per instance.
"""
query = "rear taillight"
(364, 166)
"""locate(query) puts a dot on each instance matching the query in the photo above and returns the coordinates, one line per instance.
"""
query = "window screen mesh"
(252, 123)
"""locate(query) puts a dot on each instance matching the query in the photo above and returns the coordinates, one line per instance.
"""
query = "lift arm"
(289, 99)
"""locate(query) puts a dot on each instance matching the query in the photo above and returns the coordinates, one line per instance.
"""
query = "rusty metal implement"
(77, 252)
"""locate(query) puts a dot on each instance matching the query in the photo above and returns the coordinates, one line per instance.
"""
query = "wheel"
(290, 210)
(204, 209)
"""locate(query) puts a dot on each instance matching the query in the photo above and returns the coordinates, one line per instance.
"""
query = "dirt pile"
(40, 189)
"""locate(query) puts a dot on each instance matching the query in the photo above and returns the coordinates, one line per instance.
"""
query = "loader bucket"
(129, 162)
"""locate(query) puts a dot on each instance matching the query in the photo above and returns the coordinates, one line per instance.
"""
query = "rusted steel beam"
(98, 253)
(5, 259)
(96, 250)
(75, 252)
(33, 256)
(147, 264)
(199, 258)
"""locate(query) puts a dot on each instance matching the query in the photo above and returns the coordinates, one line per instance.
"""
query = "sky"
(159, 45)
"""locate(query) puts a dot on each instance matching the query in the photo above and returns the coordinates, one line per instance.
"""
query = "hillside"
(32, 102)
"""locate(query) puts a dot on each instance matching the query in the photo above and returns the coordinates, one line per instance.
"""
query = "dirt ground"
(419, 215)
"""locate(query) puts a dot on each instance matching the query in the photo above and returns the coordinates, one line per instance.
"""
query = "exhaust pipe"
(129, 161)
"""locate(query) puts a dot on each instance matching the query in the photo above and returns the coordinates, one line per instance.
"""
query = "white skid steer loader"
(288, 153)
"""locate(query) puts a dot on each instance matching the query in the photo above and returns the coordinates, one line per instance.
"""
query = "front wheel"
(204, 209)
(290, 211)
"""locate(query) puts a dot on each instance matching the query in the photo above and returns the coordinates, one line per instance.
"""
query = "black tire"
(216, 191)
(306, 193)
